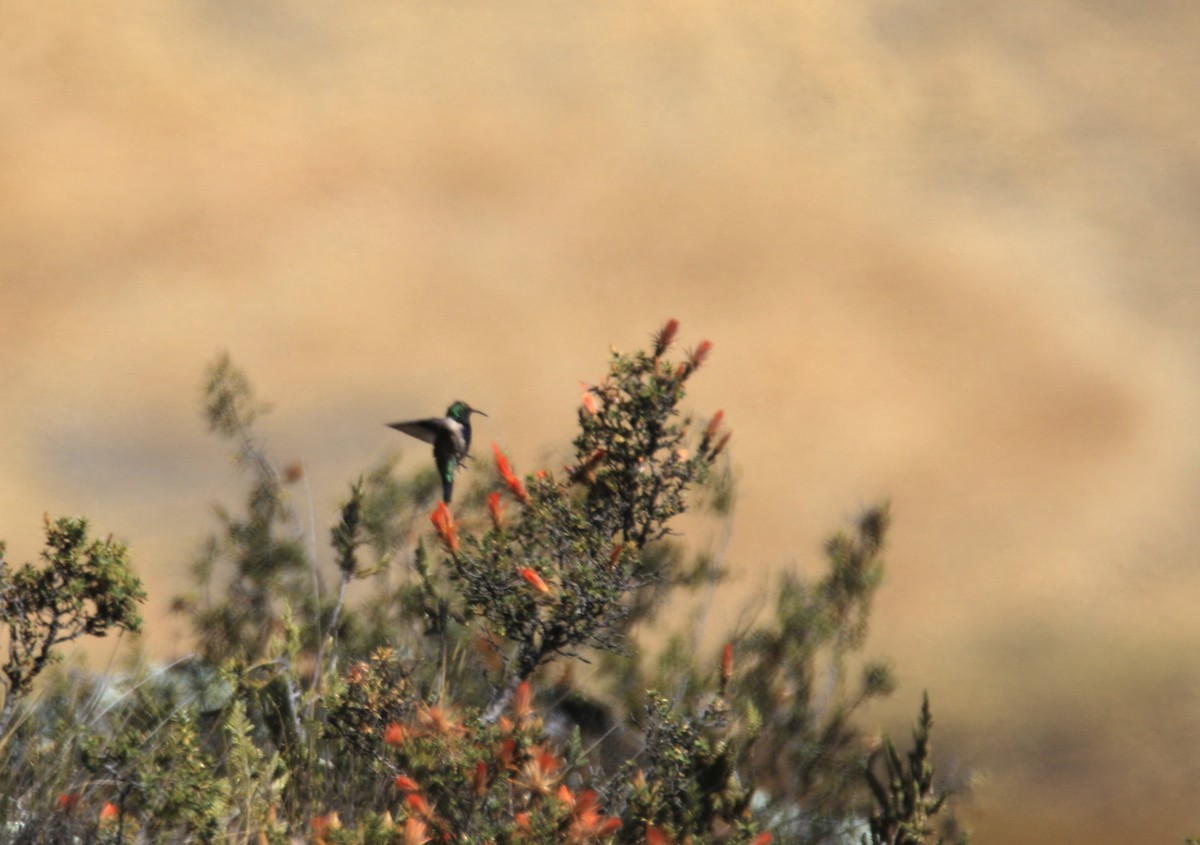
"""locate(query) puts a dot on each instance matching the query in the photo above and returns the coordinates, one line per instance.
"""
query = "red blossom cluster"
(588, 399)
(514, 483)
(665, 337)
(534, 580)
(496, 509)
(447, 531)
(695, 358)
(656, 836)
(587, 822)
(710, 444)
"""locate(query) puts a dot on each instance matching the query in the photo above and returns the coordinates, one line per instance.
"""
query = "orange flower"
(565, 796)
(439, 721)
(615, 557)
(654, 836)
(547, 761)
(701, 353)
(608, 827)
(68, 802)
(496, 509)
(446, 529)
(501, 462)
(108, 812)
(665, 336)
(394, 735)
(522, 822)
(523, 701)
(589, 402)
(406, 784)
(321, 825)
(586, 820)
(534, 580)
(537, 774)
(506, 752)
(726, 664)
(481, 778)
(514, 483)
(414, 831)
(763, 838)
(418, 804)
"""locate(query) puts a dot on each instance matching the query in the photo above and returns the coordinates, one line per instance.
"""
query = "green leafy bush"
(422, 708)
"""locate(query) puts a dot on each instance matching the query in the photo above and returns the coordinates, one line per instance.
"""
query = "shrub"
(424, 711)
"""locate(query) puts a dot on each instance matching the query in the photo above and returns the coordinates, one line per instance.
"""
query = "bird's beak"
(477, 411)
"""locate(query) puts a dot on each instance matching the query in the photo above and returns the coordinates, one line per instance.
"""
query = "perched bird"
(450, 436)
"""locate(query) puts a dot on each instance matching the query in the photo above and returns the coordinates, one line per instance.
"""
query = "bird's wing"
(426, 430)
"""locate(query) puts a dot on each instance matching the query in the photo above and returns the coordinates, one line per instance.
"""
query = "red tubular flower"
(538, 773)
(68, 802)
(496, 509)
(514, 483)
(108, 812)
(763, 838)
(439, 721)
(654, 836)
(547, 762)
(726, 664)
(321, 825)
(506, 752)
(615, 557)
(589, 399)
(665, 337)
(418, 805)
(714, 425)
(406, 784)
(534, 580)
(608, 827)
(695, 359)
(446, 529)
(481, 778)
(586, 821)
(414, 831)
(393, 735)
(523, 701)
(522, 822)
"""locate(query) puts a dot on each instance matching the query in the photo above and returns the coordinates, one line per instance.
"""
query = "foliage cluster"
(411, 700)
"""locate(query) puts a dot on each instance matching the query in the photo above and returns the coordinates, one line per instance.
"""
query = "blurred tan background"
(947, 253)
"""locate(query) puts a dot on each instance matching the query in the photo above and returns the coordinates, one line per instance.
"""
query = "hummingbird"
(451, 439)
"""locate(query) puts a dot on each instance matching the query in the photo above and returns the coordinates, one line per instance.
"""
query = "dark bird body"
(451, 439)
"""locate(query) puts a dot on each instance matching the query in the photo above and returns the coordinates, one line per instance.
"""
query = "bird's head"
(461, 412)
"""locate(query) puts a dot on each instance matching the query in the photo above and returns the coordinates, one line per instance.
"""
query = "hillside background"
(947, 252)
